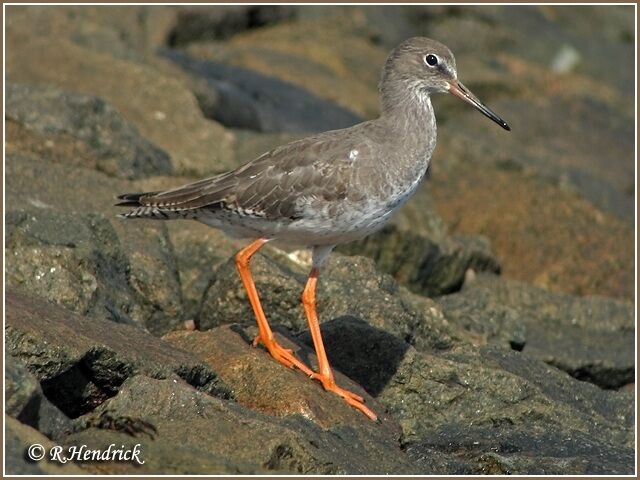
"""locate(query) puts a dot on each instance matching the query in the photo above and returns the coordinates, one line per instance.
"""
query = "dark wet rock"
(155, 100)
(78, 261)
(492, 321)
(81, 362)
(70, 118)
(426, 267)
(244, 441)
(591, 338)
(455, 399)
(205, 24)
(25, 401)
(18, 438)
(241, 98)
(499, 450)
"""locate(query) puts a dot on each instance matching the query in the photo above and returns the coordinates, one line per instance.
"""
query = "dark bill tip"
(460, 91)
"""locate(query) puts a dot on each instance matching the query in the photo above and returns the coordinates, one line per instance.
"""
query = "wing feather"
(273, 185)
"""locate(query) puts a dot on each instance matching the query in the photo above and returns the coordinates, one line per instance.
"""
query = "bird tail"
(143, 211)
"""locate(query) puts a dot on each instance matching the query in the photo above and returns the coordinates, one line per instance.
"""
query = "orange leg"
(282, 355)
(325, 375)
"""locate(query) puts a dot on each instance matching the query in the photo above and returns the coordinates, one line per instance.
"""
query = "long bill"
(459, 90)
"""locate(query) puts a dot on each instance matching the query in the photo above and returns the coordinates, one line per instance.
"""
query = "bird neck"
(401, 102)
(410, 114)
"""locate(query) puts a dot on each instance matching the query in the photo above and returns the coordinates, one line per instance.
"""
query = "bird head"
(420, 66)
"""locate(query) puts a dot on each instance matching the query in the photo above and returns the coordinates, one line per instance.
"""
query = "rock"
(498, 450)
(540, 233)
(26, 402)
(353, 343)
(480, 403)
(21, 387)
(590, 338)
(426, 267)
(241, 98)
(225, 301)
(36, 186)
(171, 456)
(352, 286)
(199, 250)
(492, 321)
(88, 124)
(607, 46)
(162, 109)
(18, 438)
(126, 267)
(125, 32)
(386, 25)
(197, 24)
(81, 362)
(599, 167)
(490, 407)
(347, 286)
(78, 261)
(244, 441)
(260, 383)
(290, 51)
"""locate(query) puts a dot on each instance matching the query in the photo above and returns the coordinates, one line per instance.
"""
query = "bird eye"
(431, 60)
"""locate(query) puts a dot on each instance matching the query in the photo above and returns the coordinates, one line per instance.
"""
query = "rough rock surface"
(586, 337)
(26, 401)
(157, 103)
(63, 117)
(541, 233)
(348, 286)
(81, 362)
(139, 333)
(78, 261)
(197, 433)
(427, 267)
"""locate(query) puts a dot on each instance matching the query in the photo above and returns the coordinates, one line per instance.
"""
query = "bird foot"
(356, 401)
(283, 355)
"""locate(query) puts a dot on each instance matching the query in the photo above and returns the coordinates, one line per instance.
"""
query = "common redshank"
(325, 189)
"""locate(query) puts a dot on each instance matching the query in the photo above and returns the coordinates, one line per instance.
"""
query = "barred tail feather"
(146, 211)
